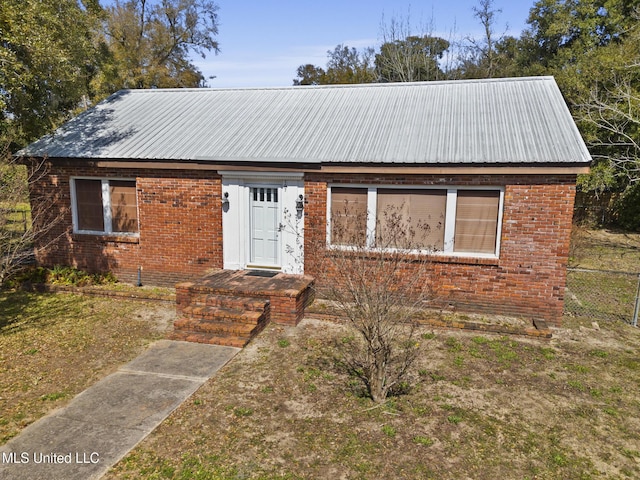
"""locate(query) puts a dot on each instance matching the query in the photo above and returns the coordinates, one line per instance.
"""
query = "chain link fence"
(602, 295)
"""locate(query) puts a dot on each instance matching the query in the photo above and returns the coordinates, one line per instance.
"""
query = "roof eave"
(463, 168)
(533, 168)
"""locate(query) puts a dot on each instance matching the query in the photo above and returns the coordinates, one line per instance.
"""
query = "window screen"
(89, 205)
(411, 218)
(348, 216)
(476, 221)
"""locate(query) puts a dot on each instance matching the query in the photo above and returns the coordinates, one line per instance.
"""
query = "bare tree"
(489, 56)
(614, 111)
(378, 282)
(409, 57)
(486, 16)
(18, 239)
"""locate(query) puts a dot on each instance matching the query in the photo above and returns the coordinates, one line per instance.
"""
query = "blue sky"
(263, 43)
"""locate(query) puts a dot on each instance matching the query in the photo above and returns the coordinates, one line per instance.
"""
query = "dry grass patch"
(476, 407)
(54, 346)
(605, 250)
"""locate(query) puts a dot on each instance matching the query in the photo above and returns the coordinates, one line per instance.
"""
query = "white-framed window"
(104, 206)
(459, 221)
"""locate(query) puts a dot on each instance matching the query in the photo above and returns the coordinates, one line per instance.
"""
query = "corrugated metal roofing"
(499, 121)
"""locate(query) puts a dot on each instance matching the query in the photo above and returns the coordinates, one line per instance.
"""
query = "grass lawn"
(477, 407)
(54, 346)
(481, 407)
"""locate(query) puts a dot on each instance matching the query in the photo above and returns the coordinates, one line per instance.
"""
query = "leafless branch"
(18, 239)
(615, 112)
(377, 286)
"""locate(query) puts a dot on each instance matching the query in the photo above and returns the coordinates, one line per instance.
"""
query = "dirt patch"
(479, 406)
(159, 317)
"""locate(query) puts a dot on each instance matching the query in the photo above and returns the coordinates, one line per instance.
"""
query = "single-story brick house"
(179, 182)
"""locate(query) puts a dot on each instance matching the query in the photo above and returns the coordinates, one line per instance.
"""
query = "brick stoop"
(230, 307)
(221, 319)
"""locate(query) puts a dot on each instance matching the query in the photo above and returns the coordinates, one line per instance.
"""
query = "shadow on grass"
(20, 310)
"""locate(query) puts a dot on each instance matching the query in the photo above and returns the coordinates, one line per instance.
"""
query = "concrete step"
(203, 337)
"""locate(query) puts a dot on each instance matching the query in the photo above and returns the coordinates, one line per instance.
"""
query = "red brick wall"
(529, 276)
(180, 226)
(181, 235)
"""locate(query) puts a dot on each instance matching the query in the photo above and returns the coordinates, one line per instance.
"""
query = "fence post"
(635, 311)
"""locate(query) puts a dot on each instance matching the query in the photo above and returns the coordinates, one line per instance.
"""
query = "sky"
(262, 43)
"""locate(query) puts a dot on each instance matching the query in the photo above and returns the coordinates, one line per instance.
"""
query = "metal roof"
(498, 121)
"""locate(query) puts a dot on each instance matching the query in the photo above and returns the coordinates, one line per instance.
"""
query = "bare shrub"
(18, 238)
(377, 284)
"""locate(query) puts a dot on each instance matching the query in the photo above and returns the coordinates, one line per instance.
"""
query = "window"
(476, 221)
(104, 206)
(454, 221)
(349, 216)
(420, 212)
(89, 209)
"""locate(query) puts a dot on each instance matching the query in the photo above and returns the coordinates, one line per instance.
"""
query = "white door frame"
(236, 226)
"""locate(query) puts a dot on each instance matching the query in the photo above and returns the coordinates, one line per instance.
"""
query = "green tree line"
(591, 47)
(57, 57)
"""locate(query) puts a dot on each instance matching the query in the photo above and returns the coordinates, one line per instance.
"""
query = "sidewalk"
(103, 423)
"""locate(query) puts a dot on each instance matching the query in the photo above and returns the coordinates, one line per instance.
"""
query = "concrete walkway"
(103, 423)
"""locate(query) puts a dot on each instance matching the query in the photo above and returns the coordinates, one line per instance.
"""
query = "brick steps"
(231, 301)
(230, 307)
(220, 319)
(220, 326)
(237, 315)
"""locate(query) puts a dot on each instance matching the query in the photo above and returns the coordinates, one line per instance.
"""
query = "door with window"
(264, 225)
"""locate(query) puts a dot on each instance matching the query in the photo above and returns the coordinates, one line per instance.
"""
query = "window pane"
(124, 211)
(476, 221)
(411, 218)
(89, 205)
(348, 216)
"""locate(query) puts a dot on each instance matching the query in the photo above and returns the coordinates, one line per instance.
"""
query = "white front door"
(264, 225)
